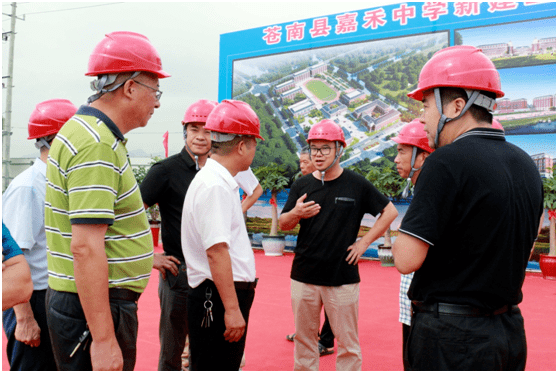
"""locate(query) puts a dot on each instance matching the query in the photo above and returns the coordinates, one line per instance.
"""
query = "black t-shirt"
(478, 203)
(323, 240)
(166, 183)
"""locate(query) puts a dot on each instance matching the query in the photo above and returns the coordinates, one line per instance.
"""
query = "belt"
(245, 285)
(123, 294)
(459, 309)
(238, 285)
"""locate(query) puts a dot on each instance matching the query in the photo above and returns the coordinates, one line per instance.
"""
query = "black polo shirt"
(166, 183)
(477, 203)
(323, 240)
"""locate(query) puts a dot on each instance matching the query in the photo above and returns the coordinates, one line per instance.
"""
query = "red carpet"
(271, 320)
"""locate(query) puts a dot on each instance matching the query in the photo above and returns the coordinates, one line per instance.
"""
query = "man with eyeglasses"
(166, 184)
(326, 342)
(329, 204)
(100, 246)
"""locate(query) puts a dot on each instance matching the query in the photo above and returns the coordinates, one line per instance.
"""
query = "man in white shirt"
(221, 265)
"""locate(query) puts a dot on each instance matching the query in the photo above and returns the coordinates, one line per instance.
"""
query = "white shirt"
(247, 181)
(212, 214)
(23, 212)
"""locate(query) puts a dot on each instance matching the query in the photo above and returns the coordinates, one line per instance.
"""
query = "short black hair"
(480, 114)
(226, 147)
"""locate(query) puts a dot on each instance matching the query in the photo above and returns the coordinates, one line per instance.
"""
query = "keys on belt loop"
(208, 305)
(82, 339)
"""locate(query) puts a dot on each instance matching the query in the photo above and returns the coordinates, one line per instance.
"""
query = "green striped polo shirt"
(90, 181)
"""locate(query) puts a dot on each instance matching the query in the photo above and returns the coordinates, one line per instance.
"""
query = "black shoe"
(290, 337)
(325, 350)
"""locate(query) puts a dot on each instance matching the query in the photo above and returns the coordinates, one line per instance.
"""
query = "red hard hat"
(199, 111)
(327, 130)
(496, 125)
(462, 66)
(48, 117)
(413, 134)
(125, 51)
(234, 117)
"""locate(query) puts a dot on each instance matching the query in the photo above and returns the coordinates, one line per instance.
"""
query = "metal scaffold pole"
(7, 124)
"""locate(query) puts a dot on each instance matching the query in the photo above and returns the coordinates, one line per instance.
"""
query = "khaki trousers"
(341, 306)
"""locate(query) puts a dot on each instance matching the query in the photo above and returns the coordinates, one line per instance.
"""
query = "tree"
(140, 173)
(272, 178)
(269, 109)
(299, 97)
(549, 187)
(389, 183)
(458, 38)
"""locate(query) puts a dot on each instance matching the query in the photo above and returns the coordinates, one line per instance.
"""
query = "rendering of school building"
(348, 97)
(544, 102)
(285, 86)
(544, 163)
(538, 46)
(334, 109)
(376, 115)
(505, 105)
(302, 108)
(290, 94)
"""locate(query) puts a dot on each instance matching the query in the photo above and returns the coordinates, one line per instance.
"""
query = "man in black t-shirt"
(330, 204)
(166, 183)
(471, 225)
(326, 342)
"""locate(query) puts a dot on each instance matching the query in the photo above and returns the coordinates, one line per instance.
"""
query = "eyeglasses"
(158, 93)
(325, 150)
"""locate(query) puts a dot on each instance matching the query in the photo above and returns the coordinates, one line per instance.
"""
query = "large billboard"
(356, 68)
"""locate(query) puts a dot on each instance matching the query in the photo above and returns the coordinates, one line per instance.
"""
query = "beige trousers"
(341, 306)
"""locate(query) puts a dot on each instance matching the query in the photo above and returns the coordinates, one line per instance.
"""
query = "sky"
(528, 82)
(521, 34)
(53, 44)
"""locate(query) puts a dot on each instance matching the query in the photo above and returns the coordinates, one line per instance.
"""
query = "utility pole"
(7, 125)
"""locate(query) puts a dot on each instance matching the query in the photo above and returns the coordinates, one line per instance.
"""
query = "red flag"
(166, 143)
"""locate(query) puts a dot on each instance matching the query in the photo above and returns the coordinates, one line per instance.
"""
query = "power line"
(61, 10)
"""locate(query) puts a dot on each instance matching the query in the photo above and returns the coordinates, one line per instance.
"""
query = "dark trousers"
(449, 342)
(173, 324)
(20, 355)
(406, 330)
(67, 323)
(208, 348)
(326, 335)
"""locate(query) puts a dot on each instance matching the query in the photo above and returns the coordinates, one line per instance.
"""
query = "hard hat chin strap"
(474, 97)
(184, 133)
(105, 80)
(407, 189)
(42, 142)
(338, 152)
